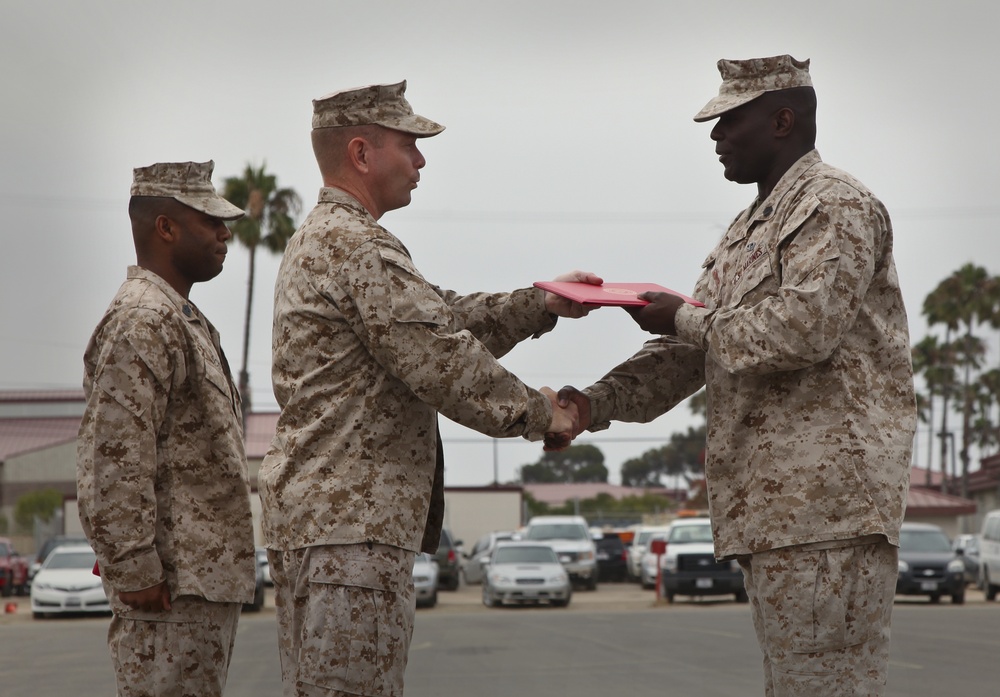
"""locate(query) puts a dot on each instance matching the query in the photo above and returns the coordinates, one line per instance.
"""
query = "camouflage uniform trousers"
(345, 619)
(181, 653)
(822, 615)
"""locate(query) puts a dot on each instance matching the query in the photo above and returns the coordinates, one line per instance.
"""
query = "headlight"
(670, 564)
(903, 567)
(499, 578)
(956, 566)
(42, 586)
(560, 578)
(584, 556)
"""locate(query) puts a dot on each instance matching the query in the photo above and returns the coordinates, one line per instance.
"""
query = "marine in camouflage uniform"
(366, 353)
(803, 347)
(162, 479)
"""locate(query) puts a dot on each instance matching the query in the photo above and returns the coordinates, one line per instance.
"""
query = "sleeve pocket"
(413, 299)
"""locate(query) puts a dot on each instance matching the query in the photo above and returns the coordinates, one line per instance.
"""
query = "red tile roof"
(558, 494)
(925, 501)
(20, 436)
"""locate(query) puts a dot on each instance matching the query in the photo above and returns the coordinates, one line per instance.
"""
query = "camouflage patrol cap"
(382, 105)
(187, 182)
(745, 80)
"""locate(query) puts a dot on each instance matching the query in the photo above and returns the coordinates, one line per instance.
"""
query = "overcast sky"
(569, 144)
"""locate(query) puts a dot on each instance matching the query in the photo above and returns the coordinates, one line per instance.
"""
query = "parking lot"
(609, 641)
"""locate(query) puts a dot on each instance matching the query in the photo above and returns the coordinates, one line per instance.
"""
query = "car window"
(557, 531)
(525, 555)
(71, 560)
(690, 533)
(923, 541)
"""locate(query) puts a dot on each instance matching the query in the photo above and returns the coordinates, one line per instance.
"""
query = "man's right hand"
(153, 599)
(568, 397)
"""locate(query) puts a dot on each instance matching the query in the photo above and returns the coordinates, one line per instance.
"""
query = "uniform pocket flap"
(380, 568)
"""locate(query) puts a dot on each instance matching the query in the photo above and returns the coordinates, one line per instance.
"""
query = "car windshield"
(525, 555)
(71, 560)
(642, 538)
(968, 544)
(923, 541)
(557, 531)
(690, 533)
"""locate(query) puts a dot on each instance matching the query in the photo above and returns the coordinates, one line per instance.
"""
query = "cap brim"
(215, 206)
(719, 105)
(414, 125)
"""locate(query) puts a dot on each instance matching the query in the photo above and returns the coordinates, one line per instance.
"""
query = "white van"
(989, 555)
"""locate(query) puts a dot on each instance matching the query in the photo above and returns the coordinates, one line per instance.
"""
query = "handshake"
(570, 417)
(570, 407)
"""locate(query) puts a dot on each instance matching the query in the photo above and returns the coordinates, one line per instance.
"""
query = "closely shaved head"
(330, 145)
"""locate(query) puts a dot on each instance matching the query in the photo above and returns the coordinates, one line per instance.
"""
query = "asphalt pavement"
(616, 640)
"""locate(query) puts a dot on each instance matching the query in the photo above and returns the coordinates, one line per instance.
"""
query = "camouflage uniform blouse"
(804, 348)
(366, 352)
(161, 472)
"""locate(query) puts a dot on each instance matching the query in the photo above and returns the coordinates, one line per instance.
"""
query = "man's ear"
(784, 122)
(358, 152)
(165, 228)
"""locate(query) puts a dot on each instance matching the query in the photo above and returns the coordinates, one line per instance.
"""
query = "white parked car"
(640, 543)
(472, 568)
(425, 580)
(525, 572)
(66, 583)
(647, 569)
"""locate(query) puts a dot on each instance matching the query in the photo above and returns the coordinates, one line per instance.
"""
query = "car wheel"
(8, 585)
(668, 596)
(742, 597)
(592, 582)
(38, 615)
(487, 597)
(434, 600)
(935, 597)
(958, 598)
(561, 603)
(991, 590)
(452, 584)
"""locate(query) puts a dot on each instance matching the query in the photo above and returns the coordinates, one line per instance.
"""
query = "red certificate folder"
(609, 293)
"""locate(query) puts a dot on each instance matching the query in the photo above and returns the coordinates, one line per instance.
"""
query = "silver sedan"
(525, 572)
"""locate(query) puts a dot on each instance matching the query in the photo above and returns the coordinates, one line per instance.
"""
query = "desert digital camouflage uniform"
(803, 347)
(162, 481)
(366, 353)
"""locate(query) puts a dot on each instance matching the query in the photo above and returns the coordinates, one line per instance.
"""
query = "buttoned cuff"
(134, 574)
(539, 416)
(601, 406)
(691, 323)
(547, 320)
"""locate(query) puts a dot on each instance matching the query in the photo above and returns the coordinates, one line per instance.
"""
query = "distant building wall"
(471, 512)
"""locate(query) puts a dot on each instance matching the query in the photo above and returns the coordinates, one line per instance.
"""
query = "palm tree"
(964, 300)
(269, 222)
(932, 360)
(940, 307)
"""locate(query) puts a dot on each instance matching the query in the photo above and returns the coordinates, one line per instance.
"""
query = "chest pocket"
(207, 369)
(756, 281)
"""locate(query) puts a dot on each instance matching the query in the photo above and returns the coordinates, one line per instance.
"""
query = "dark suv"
(928, 565)
(612, 564)
(449, 561)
